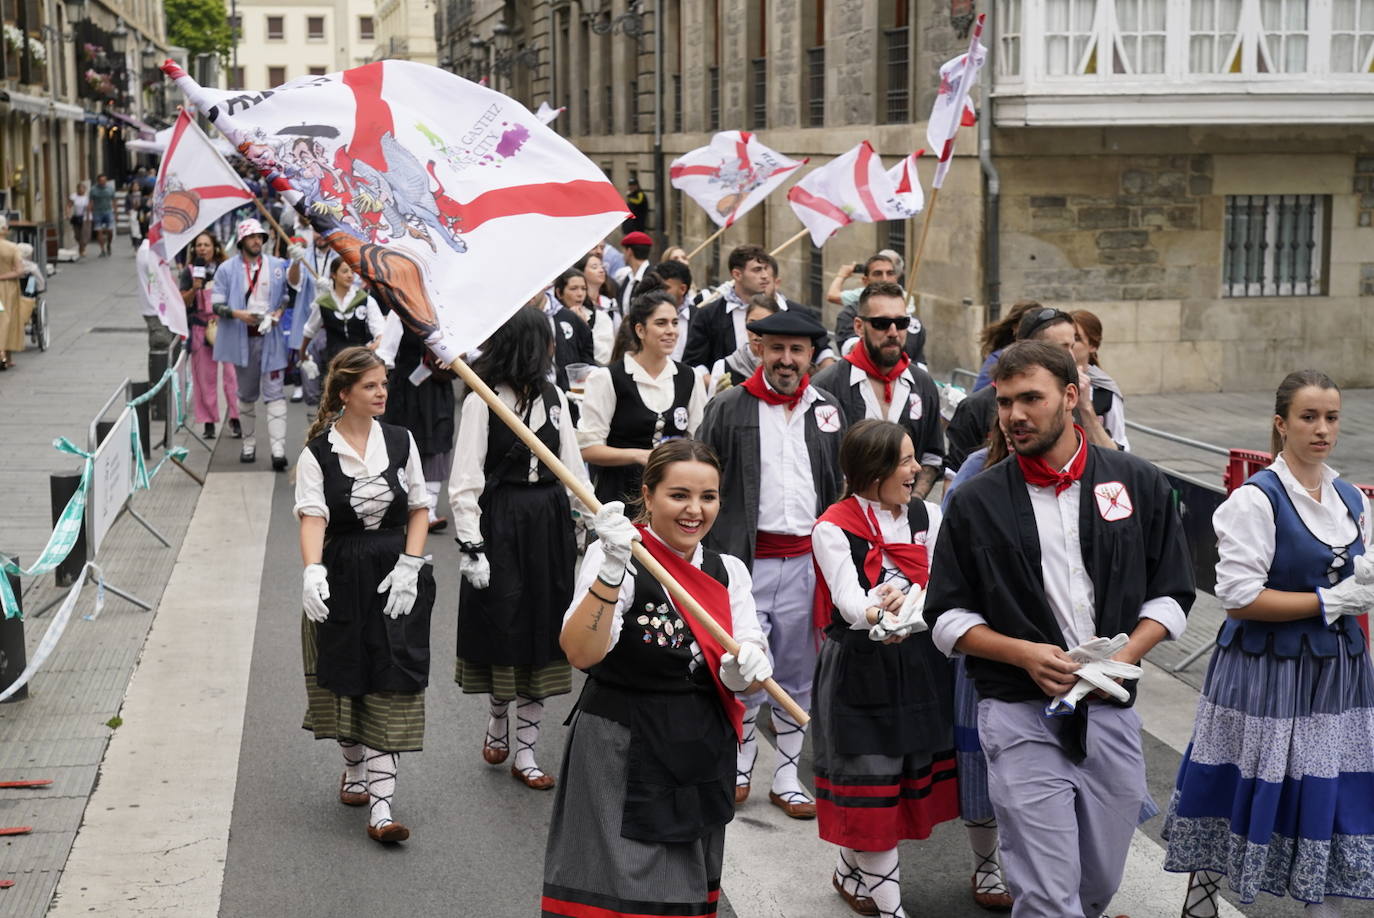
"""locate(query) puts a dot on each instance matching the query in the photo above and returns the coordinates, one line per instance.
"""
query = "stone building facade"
(1200, 174)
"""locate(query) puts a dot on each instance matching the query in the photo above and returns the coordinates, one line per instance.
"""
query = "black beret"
(791, 322)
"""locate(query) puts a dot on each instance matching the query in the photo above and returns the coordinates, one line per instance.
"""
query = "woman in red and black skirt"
(881, 726)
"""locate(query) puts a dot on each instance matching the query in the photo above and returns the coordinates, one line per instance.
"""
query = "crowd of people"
(974, 659)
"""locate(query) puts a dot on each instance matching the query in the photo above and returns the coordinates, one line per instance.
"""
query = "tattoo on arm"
(596, 615)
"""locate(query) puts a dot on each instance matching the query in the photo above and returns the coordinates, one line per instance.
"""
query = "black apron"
(362, 650)
(681, 782)
(634, 426)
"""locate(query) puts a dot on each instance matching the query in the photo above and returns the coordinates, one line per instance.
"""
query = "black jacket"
(968, 429)
(921, 416)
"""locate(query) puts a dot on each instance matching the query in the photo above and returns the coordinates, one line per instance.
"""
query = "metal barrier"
(959, 373)
(1175, 438)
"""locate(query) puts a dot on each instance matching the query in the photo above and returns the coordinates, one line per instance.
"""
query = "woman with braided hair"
(367, 592)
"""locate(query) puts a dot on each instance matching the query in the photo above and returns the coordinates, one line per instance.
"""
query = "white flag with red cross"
(195, 187)
(547, 113)
(453, 202)
(854, 188)
(953, 108)
(729, 176)
(160, 289)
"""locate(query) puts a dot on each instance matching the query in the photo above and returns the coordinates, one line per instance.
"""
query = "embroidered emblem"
(555, 415)
(401, 480)
(916, 408)
(680, 418)
(828, 419)
(1113, 501)
(915, 327)
(567, 330)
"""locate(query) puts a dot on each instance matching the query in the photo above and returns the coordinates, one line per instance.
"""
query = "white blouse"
(1244, 525)
(830, 545)
(469, 477)
(371, 496)
(744, 617)
(372, 313)
(598, 400)
(605, 329)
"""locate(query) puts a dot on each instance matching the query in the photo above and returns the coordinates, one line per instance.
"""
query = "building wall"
(294, 53)
(405, 31)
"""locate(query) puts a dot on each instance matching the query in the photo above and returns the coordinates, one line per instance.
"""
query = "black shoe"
(248, 455)
(279, 463)
(209, 431)
(235, 429)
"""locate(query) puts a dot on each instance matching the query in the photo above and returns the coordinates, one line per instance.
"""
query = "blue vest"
(1302, 563)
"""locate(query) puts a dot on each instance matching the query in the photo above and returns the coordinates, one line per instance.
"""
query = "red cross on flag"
(952, 108)
(195, 187)
(453, 203)
(731, 174)
(854, 188)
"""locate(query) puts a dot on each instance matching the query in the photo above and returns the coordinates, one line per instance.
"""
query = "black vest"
(338, 487)
(634, 426)
(917, 517)
(508, 459)
(347, 331)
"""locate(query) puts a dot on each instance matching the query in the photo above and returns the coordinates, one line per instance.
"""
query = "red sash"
(1038, 472)
(756, 387)
(714, 597)
(777, 545)
(860, 358)
(911, 559)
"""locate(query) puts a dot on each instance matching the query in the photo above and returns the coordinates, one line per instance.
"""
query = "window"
(713, 99)
(896, 236)
(715, 262)
(1212, 45)
(895, 50)
(815, 274)
(317, 71)
(276, 76)
(314, 28)
(1274, 245)
(759, 91)
(236, 78)
(1068, 29)
(633, 93)
(679, 234)
(365, 28)
(815, 87)
(586, 110)
(677, 101)
(1284, 42)
(608, 111)
(276, 28)
(1009, 35)
(1352, 36)
(1141, 35)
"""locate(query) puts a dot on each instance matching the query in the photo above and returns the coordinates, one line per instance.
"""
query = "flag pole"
(709, 239)
(778, 251)
(681, 597)
(282, 233)
(921, 244)
(720, 291)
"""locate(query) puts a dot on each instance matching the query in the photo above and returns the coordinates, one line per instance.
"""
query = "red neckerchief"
(911, 559)
(756, 387)
(714, 597)
(1038, 472)
(860, 357)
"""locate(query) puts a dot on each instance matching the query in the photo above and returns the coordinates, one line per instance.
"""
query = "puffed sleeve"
(417, 496)
(313, 321)
(376, 321)
(310, 487)
(696, 405)
(598, 405)
(468, 479)
(744, 616)
(830, 548)
(586, 576)
(1244, 525)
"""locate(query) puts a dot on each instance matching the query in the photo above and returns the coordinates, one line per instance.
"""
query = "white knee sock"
(791, 735)
(881, 873)
(381, 784)
(528, 713)
(1331, 908)
(433, 488)
(847, 872)
(498, 724)
(248, 423)
(1201, 899)
(749, 749)
(276, 426)
(355, 772)
(987, 868)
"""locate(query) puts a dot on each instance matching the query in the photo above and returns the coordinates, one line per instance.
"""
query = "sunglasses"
(883, 323)
(1041, 319)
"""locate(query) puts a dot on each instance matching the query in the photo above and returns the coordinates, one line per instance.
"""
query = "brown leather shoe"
(861, 905)
(494, 755)
(530, 780)
(352, 798)
(741, 793)
(993, 902)
(388, 834)
(794, 810)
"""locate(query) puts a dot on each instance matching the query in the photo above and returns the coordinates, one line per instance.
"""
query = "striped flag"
(731, 174)
(195, 187)
(952, 108)
(854, 188)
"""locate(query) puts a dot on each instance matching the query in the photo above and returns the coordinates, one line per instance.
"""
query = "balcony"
(1159, 62)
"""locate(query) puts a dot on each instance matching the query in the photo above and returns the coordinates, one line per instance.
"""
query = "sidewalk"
(60, 731)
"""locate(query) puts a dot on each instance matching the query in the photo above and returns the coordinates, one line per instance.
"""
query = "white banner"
(854, 188)
(160, 289)
(731, 175)
(195, 187)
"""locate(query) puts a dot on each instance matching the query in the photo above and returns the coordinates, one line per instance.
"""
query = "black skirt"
(425, 410)
(618, 482)
(516, 620)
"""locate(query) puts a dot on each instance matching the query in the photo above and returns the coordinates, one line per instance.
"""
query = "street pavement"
(212, 801)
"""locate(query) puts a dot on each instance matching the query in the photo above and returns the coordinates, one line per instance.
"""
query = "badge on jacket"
(916, 407)
(827, 419)
(567, 330)
(1113, 501)
(680, 418)
(555, 416)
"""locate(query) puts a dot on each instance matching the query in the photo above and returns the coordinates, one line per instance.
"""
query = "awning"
(97, 118)
(145, 130)
(30, 105)
(69, 112)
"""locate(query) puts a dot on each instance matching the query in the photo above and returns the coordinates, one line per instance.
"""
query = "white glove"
(617, 534)
(296, 251)
(909, 620)
(738, 673)
(309, 368)
(265, 323)
(476, 569)
(1098, 672)
(1349, 597)
(404, 584)
(1364, 569)
(314, 592)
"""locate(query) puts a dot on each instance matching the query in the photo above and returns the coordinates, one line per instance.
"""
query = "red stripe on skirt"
(878, 828)
(565, 909)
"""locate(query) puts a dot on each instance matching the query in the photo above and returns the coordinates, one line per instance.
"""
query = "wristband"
(609, 602)
(471, 549)
(613, 586)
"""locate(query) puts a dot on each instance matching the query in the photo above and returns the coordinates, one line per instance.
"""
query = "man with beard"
(878, 269)
(1041, 562)
(779, 438)
(877, 379)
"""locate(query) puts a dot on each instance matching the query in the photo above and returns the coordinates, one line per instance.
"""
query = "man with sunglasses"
(877, 379)
(882, 268)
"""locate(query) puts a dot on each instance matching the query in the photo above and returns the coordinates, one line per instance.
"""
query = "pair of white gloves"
(1352, 596)
(738, 671)
(909, 619)
(403, 582)
(1098, 672)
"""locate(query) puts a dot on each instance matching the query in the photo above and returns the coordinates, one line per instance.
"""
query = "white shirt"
(902, 396)
(1068, 585)
(468, 478)
(684, 319)
(787, 496)
(627, 277)
(310, 499)
(376, 322)
(1246, 536)
(79, 204)
(605, 329)
(257, 297)
(598, 400)
(744, 619)
(830, 545)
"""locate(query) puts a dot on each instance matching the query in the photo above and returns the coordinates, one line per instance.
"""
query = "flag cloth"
(952, 108)
(452, 202)
(160, 289)
(547, 113)
(195, 187)
(731, 174)
(854, 188)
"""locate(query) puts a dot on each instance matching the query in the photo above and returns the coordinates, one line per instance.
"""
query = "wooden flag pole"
(282, 233)
(720, 291)
(778, 251)
(681, 597)
(921, 245)
(709, 239)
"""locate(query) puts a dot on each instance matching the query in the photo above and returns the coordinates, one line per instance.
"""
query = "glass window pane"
(1271, 14)
(1295, 54)
(1057, 15)
(1367, 15)
(1343, 53)
(1151, 59)
(1203, 15)
(1343, 14)
(1128, 15)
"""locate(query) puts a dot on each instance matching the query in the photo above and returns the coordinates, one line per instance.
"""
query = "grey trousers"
(1065, 828)
(783, 588)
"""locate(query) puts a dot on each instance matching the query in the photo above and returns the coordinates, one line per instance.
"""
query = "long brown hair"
(869, 452)
(1090, 327)
(1002, 332)
(665, 454)
(1283, 399)
(347, 367)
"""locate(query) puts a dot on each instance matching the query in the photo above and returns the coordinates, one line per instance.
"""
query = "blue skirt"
(1276, 789)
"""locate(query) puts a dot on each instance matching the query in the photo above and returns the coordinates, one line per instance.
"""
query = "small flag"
(195, 187)
(547, 113)
(854, 188)
(160, 289)
(731, 174)
(953, 108)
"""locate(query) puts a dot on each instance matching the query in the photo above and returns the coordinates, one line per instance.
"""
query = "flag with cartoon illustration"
(424, 182)
(160, 289)
(729, 176)
(195, 187)
(854, 188)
